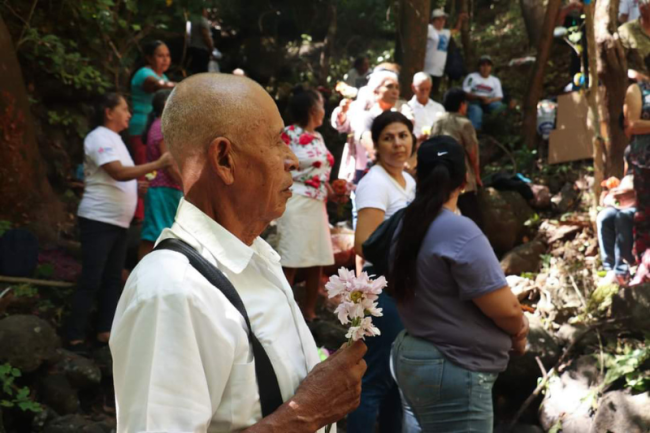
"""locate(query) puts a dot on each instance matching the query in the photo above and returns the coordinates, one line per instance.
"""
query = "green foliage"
(25, 291)
(630, 361)
(73, 122)
(4, 226)
(601, 298)
(12, 395)
(45, 270)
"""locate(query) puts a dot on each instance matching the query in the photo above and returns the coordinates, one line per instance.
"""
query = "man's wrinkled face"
(422, 91)
(265, 178)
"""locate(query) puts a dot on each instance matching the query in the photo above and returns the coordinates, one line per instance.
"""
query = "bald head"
(206, 106)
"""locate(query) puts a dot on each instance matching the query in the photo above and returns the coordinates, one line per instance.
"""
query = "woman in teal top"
(145, 82)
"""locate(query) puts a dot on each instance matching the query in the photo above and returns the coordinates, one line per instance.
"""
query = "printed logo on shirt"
(443, 43)
(484, 88)
(105, 150)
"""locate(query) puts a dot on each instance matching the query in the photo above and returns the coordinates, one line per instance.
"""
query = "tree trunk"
(592, 101)
(612, 71)
(465, 33)
(533, 13)
(328, 49)
(412, 40)
(26, 197)
(536, 79)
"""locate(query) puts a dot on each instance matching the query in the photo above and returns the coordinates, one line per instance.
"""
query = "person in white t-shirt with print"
(422, 110)
(105, 214)
(628, 10)
(438, 38)
(483, 91)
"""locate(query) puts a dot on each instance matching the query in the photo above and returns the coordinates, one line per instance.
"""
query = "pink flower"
(365, 329)
(313, 182)
(305, 139)
(339, 284)
(292, 128)
(317, 164)
(285, 138)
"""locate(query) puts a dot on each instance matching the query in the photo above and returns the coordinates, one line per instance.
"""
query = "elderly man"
(422, 110)
(183, 361)
(635, 38)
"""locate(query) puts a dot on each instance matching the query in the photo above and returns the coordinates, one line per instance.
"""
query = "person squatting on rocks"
(304, 231)
(386, 189)
(484, 93)
(105, 213)
(183, 361)
(461, 319)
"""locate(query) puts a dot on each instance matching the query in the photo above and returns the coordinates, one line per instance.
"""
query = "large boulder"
(81, 372)
(57, 393)
(104, 361)
(620, 412)
(523, 371)
(566, 198)
(27, 341)
(570, 397)
(524, 258)
(633, 303)
(504, 215)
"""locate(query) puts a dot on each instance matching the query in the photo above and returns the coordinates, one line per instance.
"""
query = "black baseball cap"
(441, 149)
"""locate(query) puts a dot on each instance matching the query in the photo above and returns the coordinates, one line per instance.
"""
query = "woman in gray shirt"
(461, 319)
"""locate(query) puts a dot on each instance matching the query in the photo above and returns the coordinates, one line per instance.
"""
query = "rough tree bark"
(593, 115)
(411, 40)
(328, 49)
(536, 79)
(533, 12)
(26, 197)
(465, 33)
(612, 71)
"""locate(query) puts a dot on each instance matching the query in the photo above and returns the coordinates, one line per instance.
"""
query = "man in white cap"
(437, 45)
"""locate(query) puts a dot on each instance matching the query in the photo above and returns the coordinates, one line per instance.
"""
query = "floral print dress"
(315, 160)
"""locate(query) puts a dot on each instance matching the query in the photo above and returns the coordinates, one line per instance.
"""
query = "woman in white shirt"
(105, 213)
(304, 231)
(386, 189)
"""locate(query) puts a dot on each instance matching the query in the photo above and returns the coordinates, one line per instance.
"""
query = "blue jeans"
(445, 398)
(380, 398)
(475, 112)
(615, 238)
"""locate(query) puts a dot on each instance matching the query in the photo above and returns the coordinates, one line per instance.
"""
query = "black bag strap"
(267, 381)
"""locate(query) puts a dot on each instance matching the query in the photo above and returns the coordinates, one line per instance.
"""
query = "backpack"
(376, 249)
(455, 66)
(18, 253)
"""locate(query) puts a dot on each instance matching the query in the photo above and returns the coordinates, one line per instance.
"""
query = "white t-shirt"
(629, 8)
(489, 87)
(423, 116)
(436, 55)
(106, 199)
(379, 190)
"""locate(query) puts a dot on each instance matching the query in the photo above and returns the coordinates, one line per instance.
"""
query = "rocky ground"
(585, 370)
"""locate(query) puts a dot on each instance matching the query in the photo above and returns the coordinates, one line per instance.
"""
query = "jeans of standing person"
(469, 207)
(103, 248)
(615, 239)
(380, 398)
(475, 111)
(445, 398)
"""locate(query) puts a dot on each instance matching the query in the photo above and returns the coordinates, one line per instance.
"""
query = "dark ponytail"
(437, 180)
(107, 101)
(158, 104)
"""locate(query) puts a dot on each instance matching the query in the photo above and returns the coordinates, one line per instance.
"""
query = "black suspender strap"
(267, 381)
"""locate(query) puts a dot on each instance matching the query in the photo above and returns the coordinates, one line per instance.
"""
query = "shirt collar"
(226, 248)
(414, 100)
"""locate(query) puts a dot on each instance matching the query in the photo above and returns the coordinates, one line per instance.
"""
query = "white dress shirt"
(181, 357)
(423, 116)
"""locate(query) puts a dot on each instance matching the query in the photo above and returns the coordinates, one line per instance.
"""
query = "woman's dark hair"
(453, 99)
(158, 104)
(301, 103)
(437, 179)
(150, 47)
(385, 119)
(107, 101)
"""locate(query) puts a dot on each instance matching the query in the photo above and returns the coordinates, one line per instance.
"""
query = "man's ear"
(220, 156)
